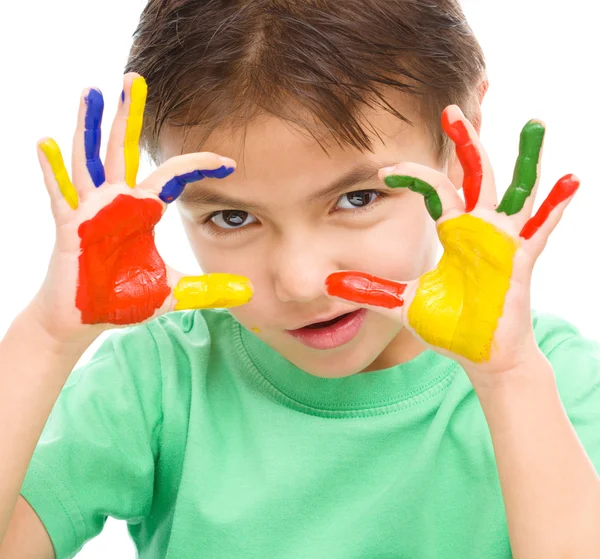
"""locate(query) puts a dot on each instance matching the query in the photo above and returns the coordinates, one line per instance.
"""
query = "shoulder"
(552, 331)
(191, 336)
(575, 359)
(192, 327)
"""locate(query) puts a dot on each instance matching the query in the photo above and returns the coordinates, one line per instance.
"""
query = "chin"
(342, 362)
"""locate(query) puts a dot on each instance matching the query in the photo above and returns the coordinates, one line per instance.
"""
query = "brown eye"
(357, 199)
(232, 219)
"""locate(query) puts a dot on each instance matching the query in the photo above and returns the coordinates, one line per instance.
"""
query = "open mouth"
(330, 333)
(331, 322)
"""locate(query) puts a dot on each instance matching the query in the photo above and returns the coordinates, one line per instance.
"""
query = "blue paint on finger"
(173, 189)
(123, 96)
(93, 136)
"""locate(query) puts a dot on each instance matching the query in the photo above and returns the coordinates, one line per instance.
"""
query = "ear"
(455, 172)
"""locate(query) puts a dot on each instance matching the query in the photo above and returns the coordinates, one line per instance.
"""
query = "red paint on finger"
(563, 190)
(366, 289)
(470, 159)
(122, 278)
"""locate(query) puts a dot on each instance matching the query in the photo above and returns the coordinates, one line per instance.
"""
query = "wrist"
(531, 367)
(37, 328)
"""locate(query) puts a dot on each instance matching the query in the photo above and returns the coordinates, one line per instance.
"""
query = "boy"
(315, 420)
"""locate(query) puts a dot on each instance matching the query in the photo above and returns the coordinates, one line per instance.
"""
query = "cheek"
(402, 246)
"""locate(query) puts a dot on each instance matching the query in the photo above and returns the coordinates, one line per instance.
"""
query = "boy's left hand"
(475, 305)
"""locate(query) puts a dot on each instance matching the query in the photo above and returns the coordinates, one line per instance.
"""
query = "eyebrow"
(200, 196)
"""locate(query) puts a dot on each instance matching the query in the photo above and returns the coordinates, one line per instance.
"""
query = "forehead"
(270, 150)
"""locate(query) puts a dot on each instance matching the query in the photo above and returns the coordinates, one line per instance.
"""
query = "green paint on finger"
(432, 199)
(526, 169)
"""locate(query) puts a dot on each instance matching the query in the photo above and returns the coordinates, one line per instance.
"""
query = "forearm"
(33, 370)
(550, 488)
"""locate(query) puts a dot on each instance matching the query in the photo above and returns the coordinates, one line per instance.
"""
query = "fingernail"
(226, 161)
(387, 170)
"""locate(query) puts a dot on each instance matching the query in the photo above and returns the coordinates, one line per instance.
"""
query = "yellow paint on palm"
(457, 306)
(212, 291)
(138, 94)
(52, 152)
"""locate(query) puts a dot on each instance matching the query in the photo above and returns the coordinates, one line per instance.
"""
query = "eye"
(357, 199)
(232, 219)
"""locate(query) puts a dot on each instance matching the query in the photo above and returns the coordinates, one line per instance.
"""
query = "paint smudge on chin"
(93, 136)
(122, 278)
(466, 292)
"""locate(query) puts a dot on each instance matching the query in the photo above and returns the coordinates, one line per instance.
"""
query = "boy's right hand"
(105, 269)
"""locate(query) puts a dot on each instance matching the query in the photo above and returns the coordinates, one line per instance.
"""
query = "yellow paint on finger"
(135, 120)
(212, 291)
(255, 330)
(457, 306)
(52, 152)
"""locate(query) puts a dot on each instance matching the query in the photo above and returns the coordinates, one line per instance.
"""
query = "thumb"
(209, 291)
(384, 296)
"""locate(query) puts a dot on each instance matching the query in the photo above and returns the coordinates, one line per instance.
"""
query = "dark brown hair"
(220, 63)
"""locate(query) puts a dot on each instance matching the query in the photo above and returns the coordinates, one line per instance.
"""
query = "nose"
(300, 267)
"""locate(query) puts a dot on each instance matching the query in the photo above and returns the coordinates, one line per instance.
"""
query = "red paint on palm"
(563, 190)
(469, 157)
(366, 289)
(122, 278)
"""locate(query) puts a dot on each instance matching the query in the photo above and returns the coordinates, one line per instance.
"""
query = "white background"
(543, 63)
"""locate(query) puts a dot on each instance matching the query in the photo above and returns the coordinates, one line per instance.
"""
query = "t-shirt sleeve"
(96, 455)
(576, 363)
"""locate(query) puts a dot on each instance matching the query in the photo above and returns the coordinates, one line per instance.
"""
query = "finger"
(369, 290)
(439, 193)
(56, 177)
(210, 291)
(478, 184)
(123, 154)
(170, 179)
(526, 174)
(88, 170)
(563, 191)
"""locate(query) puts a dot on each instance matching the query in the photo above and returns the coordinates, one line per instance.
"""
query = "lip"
(333, 336)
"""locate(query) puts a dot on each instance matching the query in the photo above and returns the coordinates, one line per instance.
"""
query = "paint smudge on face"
(470, 159)
(93, 136)
(366, 289)
(138, 94)
(563, 190)
(432, 199)
(122, 278)
(52, 152)
(173, 189)
(526, 168)
(457, 306)
(212, 291)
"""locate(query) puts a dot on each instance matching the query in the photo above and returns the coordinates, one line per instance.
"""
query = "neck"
(401, 349)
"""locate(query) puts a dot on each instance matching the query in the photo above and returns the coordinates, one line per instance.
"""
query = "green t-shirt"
(211, 445)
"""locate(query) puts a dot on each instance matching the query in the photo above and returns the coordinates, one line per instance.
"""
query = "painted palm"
(476, 301)
(106, 268)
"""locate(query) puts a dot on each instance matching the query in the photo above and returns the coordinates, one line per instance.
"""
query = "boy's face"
(290, 230)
